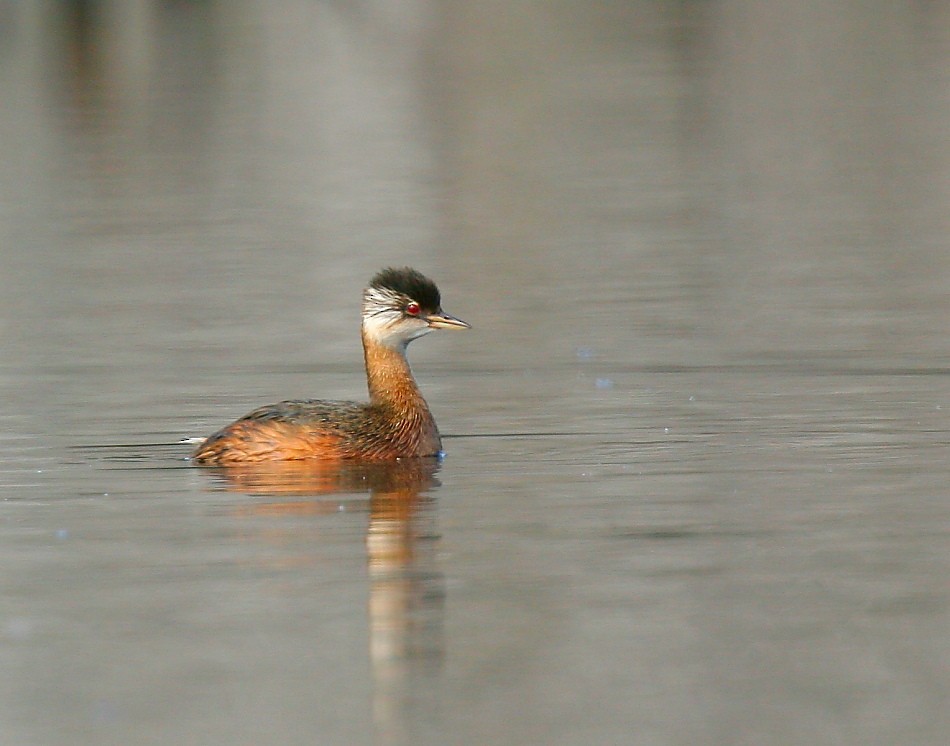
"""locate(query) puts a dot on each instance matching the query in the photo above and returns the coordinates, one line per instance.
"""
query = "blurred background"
(695, 490)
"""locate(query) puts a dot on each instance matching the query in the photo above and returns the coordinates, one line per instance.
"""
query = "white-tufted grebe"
(398, 306)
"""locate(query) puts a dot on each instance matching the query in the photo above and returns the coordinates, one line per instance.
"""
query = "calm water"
(695, 489)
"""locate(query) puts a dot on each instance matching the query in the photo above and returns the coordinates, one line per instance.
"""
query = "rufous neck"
(389, 377)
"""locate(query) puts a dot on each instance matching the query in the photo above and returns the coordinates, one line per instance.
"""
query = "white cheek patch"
(390, 329)
(384, 324)
(379, 326)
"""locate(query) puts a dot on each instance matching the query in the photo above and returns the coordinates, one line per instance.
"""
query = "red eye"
(413, 309)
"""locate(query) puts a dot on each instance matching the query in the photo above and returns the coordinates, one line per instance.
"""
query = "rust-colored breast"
(314, 429)
(252, 440)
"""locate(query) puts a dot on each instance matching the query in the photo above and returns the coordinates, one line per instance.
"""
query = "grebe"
(398, 306)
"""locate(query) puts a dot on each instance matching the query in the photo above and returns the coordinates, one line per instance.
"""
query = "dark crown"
(410, 283)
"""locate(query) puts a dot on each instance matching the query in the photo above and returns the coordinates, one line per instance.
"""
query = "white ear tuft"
(391, 329)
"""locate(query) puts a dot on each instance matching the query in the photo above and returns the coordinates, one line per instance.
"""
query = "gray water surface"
(695, 489)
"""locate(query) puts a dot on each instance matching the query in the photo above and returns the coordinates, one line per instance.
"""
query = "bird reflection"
(406, 588)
